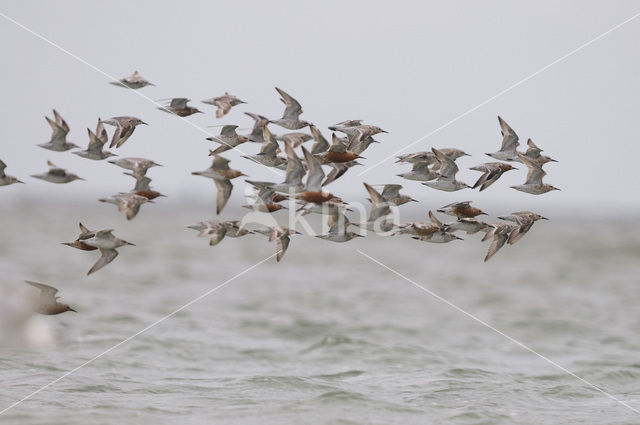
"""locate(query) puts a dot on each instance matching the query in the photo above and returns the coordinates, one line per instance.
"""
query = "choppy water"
(326, 336)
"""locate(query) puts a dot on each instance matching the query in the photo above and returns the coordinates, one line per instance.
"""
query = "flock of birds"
(436, 168)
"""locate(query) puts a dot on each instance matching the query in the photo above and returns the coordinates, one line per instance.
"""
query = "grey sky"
(407, 67)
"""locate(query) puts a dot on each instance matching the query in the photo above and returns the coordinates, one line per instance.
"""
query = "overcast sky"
(407, 67)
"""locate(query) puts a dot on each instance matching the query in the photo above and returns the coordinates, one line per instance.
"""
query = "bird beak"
(80, 178)
(132, 244)
(440, 211)
(151, 84)
(144, 123)
(66, 243)
(460, 239)
(20, 181)
(553, 160)
(70, 309)
(555, 188)
(544, 218)
(414, 200)
(382, 131)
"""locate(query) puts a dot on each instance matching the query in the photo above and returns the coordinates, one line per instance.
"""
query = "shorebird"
(224, 103)
(296, 139)
(280, 235)
(338, 171)
(129, 203)
(267, 200)
(320, 144)
(179, 107)
(353, 127)
(337, 153)
(124, 129)
(222, 176)
(216, 230)
(534, 154)
(391, 193)
(228, 139)
(58, 140)
(290, 118)
(469, 225)
(48, 301)
(533, 184)
(268, 152)
(293, 178)
(143, 188)
(258, 127)
(500, 233)
(429, 157)
(334, 209)
(78, 243)
(312, 191)
(107, 243)
(338, 231)
(510, 142)
(448, 170)
(5, 179)
(524, 221)
(434, 231)
(421, 172)
(139, 166)
(380, 208)
(56, 175)
(97, 141)
(134, 81)
(461, 210)
(491, 172)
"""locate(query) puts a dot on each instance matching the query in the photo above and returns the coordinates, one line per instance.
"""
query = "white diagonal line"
(124, 341)
(508, 89)
(79, 59)
(515, 341)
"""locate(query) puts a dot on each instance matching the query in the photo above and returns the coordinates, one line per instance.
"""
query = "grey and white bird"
(107, 244)
(128, 203)
(216, 230)
(448, 170)
(491, 172)
(434, 231)
(125, 127)
(139, 166)
(320, 143)
(260, 122)
(224, 103)
(377, 220)
(60, 129)
(499, 234)
(509, 145)
(97, 141)
(534, 153)
(296, 138)
(291, 116)
(228, 139)
(533, 184)
(422, 171)
(47, 302)
(56, 175)
(268, 152)
(280, 235)
(293, 177)
(524, 221)
(391, 192)
(221, 174)
(133, 81)
(5, 179)
(339, 232)
(143, 187)
(469, 225)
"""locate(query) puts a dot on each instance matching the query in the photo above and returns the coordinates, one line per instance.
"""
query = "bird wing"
(282, 245)
(101, 132)
(435, 220)
(2, 168)
(220, 163)
(95, 144)
(106, 256)
(54, 170)
(316, 174)
(337, 145)
(60, 121)
(379, 205)
(448, 168)
(509, 137)
(229, 131)
(224, 192)
(178, 103)
(295, 170)
(321, 144)
(292, 109)
(498, 242)
(535, 174)
(270, 145)
(391, 191)
(217, 235)
(47, 293)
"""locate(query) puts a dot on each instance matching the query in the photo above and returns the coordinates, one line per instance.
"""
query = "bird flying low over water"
(133, 81)
(534, 154)
(78, 243)
(139, 166)
(447, 179)
(216, 230)
(290, 118)
(106, 243)
(228, 139)
(56, 175)
(260, 123)
(338, 232)
(47, 302)
(337, 153)
(524, 220)
(222, 176)
(60, 130)
(499, 234)
(533, 184)
(510, 142)
(5, 179)
(391, 193)
(280, 235)
(129, 203)
(143, 187)
(268, 155)
(461, 210)
(97, 141)
(491, 172)
(224, 103)
(124, 129)
(178, 106)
